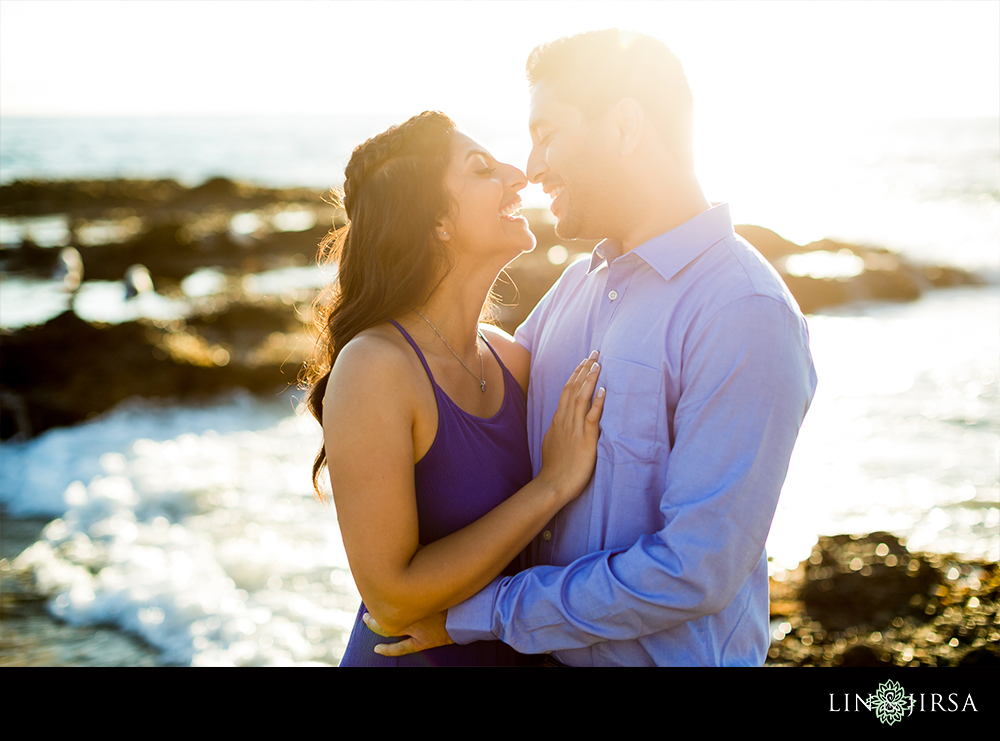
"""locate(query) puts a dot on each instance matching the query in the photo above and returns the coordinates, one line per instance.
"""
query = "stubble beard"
(576, 224)
(585, 216)
(567, 228)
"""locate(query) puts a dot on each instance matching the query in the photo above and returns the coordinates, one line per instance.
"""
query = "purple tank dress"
(473, 465)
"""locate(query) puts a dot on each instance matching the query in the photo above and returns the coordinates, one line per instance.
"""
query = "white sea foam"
(197, 529)
(204, 538)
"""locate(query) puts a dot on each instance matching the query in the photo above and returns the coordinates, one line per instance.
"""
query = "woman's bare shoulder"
(376, 363)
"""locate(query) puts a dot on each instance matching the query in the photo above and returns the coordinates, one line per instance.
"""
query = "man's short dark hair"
(592, 71)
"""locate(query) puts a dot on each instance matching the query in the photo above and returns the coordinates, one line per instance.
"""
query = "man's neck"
(662, 203)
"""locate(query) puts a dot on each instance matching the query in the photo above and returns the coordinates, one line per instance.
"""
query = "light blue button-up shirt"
(705, 357)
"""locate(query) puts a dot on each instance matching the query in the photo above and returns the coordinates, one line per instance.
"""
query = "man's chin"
(567, 228)
(570, 228)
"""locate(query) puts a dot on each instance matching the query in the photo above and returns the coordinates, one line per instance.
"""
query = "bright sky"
(807, 59)
(774, 82)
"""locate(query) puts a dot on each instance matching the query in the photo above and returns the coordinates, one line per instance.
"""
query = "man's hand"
(423, 634)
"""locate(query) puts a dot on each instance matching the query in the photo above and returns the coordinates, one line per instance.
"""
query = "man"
(706, 362)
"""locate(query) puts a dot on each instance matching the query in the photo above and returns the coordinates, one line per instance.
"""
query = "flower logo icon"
(890, 702)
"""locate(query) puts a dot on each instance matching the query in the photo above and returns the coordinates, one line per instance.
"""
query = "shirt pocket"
(633, 410)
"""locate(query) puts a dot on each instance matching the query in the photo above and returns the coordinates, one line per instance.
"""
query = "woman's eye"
(486, 171)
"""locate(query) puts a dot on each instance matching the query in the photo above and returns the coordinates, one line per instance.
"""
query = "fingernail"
(600, 392)
(595, 367)
(376, 649)
(593, 355)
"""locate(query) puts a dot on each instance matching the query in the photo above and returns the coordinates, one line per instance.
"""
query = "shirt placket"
(619, 276)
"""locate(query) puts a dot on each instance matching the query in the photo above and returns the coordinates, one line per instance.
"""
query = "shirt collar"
(672, 251)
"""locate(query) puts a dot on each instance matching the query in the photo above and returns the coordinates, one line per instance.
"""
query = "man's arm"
(747, 381)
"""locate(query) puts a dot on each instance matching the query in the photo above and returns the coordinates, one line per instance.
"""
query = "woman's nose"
(516, 179)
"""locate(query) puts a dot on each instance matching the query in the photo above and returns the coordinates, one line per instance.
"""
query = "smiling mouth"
(512, 211)
(554, 194)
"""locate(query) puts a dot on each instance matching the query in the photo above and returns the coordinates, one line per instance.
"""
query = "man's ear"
(630, 119)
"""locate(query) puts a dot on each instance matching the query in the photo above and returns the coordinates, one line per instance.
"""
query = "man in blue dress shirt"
(705, 357)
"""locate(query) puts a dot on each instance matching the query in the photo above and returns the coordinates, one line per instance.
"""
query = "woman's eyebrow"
(473, 152)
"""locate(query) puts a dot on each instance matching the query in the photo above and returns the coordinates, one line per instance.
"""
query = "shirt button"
(547, 535)
(613, 295)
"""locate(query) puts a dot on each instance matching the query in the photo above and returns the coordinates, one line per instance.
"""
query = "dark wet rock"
(95, 198)
(885, 276)
(84, 197)
(980, 657)
(861, 656)
(188, 228)
(175, 249)
(868, 601)
(813, 294)
(182, 229)
(863, 582)
(770, 244)
(68, 370)
(30, 258)
(944, 277)
(31, 636)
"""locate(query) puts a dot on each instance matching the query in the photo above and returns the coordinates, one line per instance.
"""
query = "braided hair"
(388, 255)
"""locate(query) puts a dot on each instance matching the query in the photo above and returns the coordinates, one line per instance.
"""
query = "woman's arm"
(369, 414)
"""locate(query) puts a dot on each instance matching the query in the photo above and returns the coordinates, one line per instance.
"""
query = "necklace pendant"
(482, 386)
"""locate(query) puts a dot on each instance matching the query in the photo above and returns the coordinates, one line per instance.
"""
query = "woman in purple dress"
(422, 406)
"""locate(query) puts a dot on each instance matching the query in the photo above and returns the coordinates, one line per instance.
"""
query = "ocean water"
(193, 527)
(197, 528)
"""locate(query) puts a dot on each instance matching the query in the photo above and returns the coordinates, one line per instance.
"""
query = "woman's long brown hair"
(388, 256)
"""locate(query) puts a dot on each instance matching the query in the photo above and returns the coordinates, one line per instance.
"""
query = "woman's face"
(486, 213)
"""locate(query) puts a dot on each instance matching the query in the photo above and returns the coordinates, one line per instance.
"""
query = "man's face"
(570, 158)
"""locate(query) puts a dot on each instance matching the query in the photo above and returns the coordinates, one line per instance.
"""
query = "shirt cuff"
(472, 620)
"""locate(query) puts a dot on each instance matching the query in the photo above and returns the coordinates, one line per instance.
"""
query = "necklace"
(482, 374)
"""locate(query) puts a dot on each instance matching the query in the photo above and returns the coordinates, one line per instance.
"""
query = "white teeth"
(512, 211)
(555, 192)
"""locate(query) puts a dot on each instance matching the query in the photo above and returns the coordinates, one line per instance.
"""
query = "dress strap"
(417, 349)
(503, 368)
(483, 338)
(509, 380)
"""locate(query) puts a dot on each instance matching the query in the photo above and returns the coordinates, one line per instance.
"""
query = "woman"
(423, 409)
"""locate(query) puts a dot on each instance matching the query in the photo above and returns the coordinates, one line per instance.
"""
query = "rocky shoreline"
(67, 370)
(859, 600)
(865, 600)
(30, 636)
